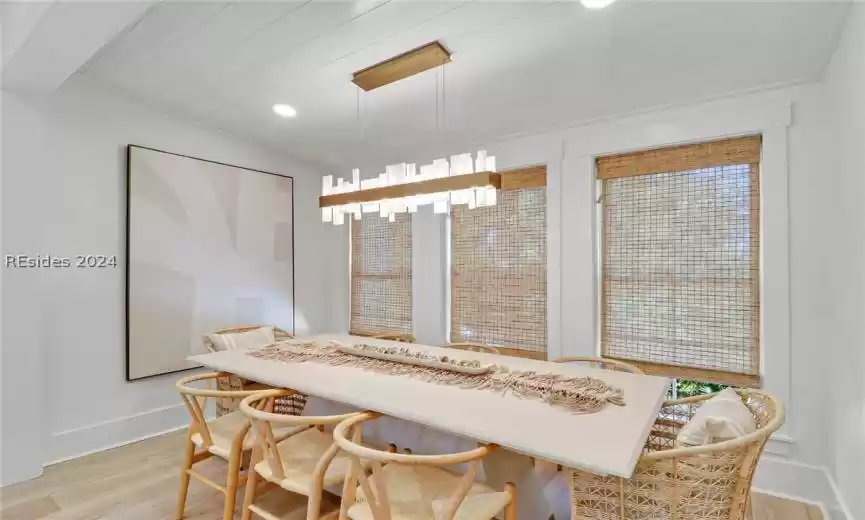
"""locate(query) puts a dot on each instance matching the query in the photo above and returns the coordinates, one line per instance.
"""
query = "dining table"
(430, 417)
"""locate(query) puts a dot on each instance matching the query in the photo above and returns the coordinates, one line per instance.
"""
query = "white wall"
(63, 340)
(23, 449)
(845, 177)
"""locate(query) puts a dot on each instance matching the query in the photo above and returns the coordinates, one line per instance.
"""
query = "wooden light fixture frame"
(528, 177)
(457, 182)
(407, 64)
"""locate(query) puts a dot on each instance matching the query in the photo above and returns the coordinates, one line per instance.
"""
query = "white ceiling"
(517, 66)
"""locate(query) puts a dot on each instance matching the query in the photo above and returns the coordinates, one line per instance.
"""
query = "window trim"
(692, 156)
(703, 122)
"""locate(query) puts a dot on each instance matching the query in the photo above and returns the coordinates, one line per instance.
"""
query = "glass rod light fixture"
(408, 200)
(404, 187)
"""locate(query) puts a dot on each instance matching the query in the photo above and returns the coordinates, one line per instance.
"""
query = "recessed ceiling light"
(596, 4)
(284, 110)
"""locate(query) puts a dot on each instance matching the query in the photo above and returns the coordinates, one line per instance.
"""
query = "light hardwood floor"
(139, 482)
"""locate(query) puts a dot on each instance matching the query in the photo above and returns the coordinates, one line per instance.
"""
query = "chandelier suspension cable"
(444, 102)
(358, 129)
(358, 146)
(438, 131)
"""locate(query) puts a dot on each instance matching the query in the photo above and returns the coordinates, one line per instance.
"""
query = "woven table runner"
(577, 394)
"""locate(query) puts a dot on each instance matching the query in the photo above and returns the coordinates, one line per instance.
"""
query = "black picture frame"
(128, 156)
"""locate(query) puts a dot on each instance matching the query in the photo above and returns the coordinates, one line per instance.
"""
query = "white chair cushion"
(422, 492)
(224, 429)
(721, 418)
(299, 455)
(256, 338)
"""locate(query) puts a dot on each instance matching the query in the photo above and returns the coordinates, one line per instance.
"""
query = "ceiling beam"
(58, 40)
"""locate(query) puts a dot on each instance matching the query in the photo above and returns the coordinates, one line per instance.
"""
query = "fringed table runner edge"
(579, 395)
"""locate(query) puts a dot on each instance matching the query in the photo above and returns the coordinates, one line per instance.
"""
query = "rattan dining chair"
(708, 482)
(290, 406)
(278, 334)
(473, 347)
(600, 362)
(415, 487)
(226, 437)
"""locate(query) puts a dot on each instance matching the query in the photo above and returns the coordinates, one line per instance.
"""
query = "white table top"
(608, 442)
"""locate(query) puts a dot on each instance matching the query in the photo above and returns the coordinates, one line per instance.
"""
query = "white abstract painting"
(209, 246)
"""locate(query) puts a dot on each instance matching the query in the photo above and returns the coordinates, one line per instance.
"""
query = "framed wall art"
(208, 245)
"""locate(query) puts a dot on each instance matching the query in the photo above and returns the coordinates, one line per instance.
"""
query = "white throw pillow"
(721, 418)
(255, 338)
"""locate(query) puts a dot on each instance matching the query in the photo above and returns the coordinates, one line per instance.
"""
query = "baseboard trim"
(803, 482)
(93, 438)
(780, 445)
(843, 508)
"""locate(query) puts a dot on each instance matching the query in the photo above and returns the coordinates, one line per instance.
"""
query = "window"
(499, 268)
(688, 388)
(680, 260)
(381, 274)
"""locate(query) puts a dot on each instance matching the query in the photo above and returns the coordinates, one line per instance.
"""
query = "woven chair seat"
(223, 430)
(299, 454)
(421, 493)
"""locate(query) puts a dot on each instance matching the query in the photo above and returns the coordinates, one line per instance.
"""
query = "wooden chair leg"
(184, 479)
(349, 493)
(347, 499)
(231, 488)
(251, 483)
(511, 509)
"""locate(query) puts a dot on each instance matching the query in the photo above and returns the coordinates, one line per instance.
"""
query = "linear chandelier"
(402, 188)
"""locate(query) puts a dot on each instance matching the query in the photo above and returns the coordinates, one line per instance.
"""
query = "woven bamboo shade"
(381, 274)
(681, 278)
(499, 270)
